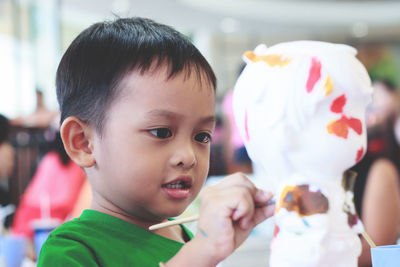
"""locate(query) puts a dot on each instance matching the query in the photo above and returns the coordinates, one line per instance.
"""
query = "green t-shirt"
(98, 239)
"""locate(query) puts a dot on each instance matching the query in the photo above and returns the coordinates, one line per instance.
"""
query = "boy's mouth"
(177, 185)
(181, 182)
(178, 188)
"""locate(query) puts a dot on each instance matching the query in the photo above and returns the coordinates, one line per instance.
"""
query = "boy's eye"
(161, 133)
(203, 137)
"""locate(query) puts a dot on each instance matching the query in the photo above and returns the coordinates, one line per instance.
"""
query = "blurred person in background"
(6, 152)
(7, 161)
(377, 189)
(53, 191)
(236, 157)
(217, 150)
(42, 117)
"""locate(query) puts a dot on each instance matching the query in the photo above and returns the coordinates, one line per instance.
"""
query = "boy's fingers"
(237, 198)
(244, 206)
(257, 214)
(238, 179)
(235, 202)
(261, 214)
(262, 196)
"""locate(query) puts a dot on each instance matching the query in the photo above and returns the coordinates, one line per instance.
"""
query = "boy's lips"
(178, 188)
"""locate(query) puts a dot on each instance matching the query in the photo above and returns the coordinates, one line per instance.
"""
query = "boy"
(137, 113)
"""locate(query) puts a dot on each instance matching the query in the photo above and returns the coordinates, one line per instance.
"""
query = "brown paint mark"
(303, 201)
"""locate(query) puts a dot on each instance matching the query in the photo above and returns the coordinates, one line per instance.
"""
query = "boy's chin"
(175, 213)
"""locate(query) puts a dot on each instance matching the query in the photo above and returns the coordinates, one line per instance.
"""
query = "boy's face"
(153, 155)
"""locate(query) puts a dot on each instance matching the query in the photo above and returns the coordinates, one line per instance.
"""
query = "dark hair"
(4, 129)
(97, 60)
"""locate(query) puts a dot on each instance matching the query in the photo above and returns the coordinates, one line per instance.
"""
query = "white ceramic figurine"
(300, 108)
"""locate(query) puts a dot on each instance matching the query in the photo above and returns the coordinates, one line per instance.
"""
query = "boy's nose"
(184, 156)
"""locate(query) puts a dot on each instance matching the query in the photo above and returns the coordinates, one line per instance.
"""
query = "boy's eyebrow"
(209, 119)
(157, 113)
(162, 113)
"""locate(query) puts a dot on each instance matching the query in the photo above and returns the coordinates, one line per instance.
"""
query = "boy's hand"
(228, 213)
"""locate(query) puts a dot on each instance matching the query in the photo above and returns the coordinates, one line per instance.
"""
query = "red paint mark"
(314, 74)
(341, 127)
(338, 104)
(360, 154)
(276, 230)
(246, 126)
(354, 124)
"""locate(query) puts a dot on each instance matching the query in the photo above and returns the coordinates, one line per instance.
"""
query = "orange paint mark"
(341, 127)
(360, 154)
(246, 126)
(285, 191)
(338, 104)
(272, 60)
(338, 128)
(251, 56)
(328, 87)
(314, 74)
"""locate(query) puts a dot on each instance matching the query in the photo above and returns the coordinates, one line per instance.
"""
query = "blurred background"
(35, 33)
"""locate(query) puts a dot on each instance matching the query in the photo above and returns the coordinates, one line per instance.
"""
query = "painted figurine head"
(300, 108)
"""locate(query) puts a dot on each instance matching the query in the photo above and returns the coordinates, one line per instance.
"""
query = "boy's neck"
(121, 214)
(174, 233)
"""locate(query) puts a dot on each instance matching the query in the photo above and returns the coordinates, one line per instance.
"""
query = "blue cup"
(12, 250)
(42, 228)
(386, 256)
(40, 237)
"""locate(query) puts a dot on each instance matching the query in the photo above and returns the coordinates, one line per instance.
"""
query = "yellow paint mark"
(329, 127)
(287, 189)
(328, 87)
(271, 60)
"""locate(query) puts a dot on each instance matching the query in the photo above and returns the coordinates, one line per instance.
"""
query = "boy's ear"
(77, 137)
